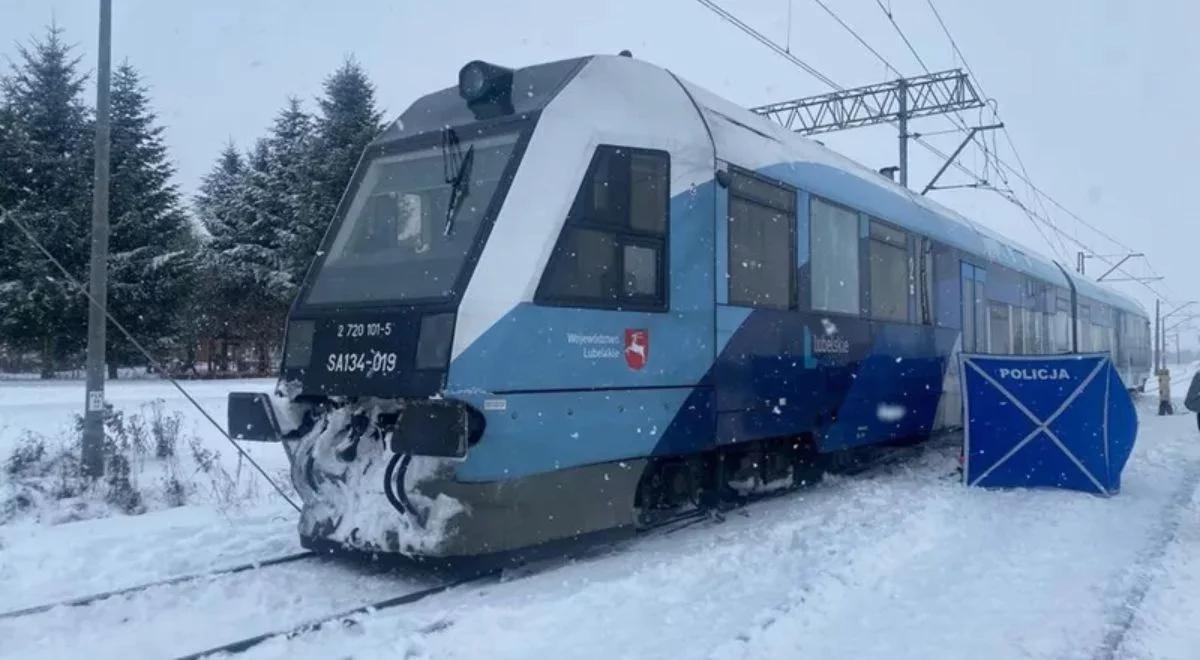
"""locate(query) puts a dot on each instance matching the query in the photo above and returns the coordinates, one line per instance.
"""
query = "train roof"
(733, 128)
(751, 140)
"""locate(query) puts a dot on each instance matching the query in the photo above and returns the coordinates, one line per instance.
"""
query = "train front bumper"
(381, 477)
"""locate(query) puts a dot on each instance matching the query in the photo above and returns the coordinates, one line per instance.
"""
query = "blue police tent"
(1062, 421)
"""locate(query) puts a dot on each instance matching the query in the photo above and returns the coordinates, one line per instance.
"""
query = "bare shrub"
(122, 493)
(208, 462)
(28, 456)
(164, 429)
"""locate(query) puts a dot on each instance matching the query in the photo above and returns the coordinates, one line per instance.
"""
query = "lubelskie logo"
(637, 347)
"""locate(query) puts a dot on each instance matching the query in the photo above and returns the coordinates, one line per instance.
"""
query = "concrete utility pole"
(93, 416)
(1157, 334)
(904, 136)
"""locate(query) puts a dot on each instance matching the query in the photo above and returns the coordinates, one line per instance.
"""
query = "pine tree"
(150, 264)
(46, 167)
(266, 211)
(215, 306)
(290, 192)
(240, 207)
(347, 122)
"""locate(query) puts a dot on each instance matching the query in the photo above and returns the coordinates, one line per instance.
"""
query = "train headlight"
(298, 350)
(487, 88)
(472, 81)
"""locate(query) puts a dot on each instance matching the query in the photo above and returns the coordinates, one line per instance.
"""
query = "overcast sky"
(1096, 93)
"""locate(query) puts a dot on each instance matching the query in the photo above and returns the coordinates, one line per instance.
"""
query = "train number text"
(355, 330)
(372, 362)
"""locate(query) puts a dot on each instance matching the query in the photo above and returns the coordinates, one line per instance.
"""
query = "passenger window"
(923, 275)
(1062, 325)
(889, 273)
(835, 248)
(612, 250)
(1018, 330)
(761, 238)
(1000, 332)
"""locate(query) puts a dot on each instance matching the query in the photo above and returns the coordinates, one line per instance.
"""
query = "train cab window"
(835, 248)
(613, 248)
(761, 230)
(890, 287)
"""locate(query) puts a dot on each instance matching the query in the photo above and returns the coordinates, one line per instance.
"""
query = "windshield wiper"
(456, 170)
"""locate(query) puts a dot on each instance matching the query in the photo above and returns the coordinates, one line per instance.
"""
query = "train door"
(761, 336)
(974, 309)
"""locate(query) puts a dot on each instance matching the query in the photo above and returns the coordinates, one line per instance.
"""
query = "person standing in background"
(1164, 393)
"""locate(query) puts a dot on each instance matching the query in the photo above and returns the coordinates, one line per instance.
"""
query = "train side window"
(888, 254)
(1062, 325)
(761, 229)
(612, 252)
(1000, 330)
(835, 253)
(1083, 326)
(923, 276)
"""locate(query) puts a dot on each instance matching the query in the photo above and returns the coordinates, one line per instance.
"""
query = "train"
(579, 297)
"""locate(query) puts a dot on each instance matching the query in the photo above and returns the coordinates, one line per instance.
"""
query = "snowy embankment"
(42, 560)
(900, 562)
(163, 453)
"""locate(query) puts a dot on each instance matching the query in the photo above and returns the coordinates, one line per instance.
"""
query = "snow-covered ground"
(901, 562)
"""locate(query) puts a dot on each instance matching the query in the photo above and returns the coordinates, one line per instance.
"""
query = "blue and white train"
(574, 297)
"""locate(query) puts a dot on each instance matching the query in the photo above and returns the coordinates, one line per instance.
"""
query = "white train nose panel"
(595, 108)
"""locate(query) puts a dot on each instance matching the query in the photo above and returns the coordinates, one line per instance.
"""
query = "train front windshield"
(412, 221)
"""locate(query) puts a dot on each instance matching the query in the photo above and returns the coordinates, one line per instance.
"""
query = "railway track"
(316, 624)
(878, 461)
(342, 589)
(82, 601)
(666, 526)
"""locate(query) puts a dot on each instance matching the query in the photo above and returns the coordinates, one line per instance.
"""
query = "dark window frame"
(523, 125)
(748, 196)
(622, 236)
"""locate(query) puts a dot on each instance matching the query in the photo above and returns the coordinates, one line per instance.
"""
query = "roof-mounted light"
(487, 89)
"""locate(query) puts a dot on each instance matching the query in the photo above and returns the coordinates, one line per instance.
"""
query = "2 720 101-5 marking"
(372, 361)
(355, 330)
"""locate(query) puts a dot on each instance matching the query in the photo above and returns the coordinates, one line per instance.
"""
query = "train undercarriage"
(364, 489)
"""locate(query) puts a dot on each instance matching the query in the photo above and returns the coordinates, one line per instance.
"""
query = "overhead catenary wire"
(857, 36)
(8, 216)
(888, 12)
(783, 52)
(741, 25)
(1023, 174)
(962, 124)
(1047, 220)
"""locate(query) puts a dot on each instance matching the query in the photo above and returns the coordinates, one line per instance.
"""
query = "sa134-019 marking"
(370, 362)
